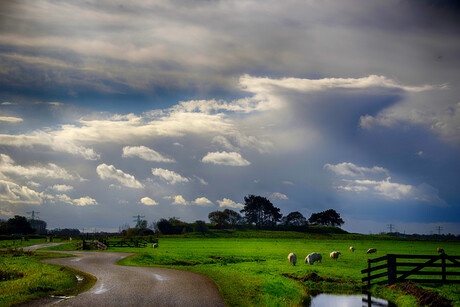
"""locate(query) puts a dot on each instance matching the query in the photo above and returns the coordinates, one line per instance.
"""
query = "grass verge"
(28, 278)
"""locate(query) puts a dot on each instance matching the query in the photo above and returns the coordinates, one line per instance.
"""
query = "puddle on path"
(364, 300)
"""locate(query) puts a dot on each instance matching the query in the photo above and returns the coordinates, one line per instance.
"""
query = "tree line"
(257, 212)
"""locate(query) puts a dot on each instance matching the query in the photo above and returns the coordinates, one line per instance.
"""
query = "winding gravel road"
(136, 286)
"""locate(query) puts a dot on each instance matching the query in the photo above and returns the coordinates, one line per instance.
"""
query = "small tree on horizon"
(260, 211)
(294, 219)
(329, 217)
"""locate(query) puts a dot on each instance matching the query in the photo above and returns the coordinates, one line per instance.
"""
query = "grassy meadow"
(252, 271)
(23, 277)
(250, 268)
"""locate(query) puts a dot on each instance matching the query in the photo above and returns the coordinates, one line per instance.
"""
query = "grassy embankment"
(23, 277)
(252, 268)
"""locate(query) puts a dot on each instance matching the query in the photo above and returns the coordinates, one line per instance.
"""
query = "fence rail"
(393, 274)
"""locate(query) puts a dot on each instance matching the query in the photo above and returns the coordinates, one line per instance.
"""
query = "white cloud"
(13, 193)
(286, 182)
(368, 122)
(144, 153)
(61, 187)
(34, 184)
(383, 188)
(51, 170)
(388, 189)
(170, 177)
(202, 201)
(278, 195)
(40, 138)
(352, 170)
(10, 119)
(230, 204)
(224, 142)
(177, 200)
(80, 202)
(260, 85)
(225, 158)
(148, 201)
(109, 172)
(201, 180)
(353, 188)
(439, 114)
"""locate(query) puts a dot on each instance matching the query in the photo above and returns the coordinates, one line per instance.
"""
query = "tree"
(294, 219)
(233, 217)
(327, 218)
(38, 225)
(219, 218)
(18, 224)
(141, 224)
(225, 218)
(200, 226)
(165, 227)
(260, 211)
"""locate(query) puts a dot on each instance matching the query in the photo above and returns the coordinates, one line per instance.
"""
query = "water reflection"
(327, 300)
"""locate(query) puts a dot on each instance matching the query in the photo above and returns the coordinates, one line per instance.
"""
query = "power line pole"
(32, 214)
(439, 228)
(138, 218)
(390, 227)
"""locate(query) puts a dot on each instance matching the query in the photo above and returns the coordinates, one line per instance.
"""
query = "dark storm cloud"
(240, 97)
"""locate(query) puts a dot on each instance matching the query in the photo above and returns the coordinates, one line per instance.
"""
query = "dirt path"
(137, 286)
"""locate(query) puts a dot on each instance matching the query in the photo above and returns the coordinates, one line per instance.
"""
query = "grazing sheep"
(371, 251)
(292, 258)
(335, 255)
(352, 249)
(155, 245)
(440, 250)
(313, 257)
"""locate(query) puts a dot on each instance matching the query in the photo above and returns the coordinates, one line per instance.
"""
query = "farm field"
(249, 267)
(255, 271)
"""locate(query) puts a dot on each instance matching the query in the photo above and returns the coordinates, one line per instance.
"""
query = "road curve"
(137, 286)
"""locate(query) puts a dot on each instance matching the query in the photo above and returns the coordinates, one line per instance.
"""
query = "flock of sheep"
(316, 257)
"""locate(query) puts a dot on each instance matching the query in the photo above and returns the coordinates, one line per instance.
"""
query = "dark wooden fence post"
(391, 262)
(443, 268)
(369, 273)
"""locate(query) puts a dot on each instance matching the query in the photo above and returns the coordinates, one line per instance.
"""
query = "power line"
(138, 218)
(33, 214)
(390, 227)
(439, 228)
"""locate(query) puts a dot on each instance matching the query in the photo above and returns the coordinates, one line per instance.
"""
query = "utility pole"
(390, 227)
(32, 214)
(439, 228)
(138, 218)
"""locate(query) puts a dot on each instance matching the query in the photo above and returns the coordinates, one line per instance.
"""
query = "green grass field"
(23, 277)
(251, 271)
(251, 268)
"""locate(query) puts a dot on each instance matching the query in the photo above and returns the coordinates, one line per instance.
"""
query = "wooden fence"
(139, 243)
(399, 267)
(91, 244)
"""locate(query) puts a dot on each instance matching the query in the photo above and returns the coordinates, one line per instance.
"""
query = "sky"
(114, 109)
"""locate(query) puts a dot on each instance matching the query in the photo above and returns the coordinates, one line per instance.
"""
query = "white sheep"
(313, 257)
(292, 258)
(155, 245)
(335, 255)
(371, 251)
(352, 249)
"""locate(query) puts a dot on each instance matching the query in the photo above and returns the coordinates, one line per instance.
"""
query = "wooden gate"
(400, 267)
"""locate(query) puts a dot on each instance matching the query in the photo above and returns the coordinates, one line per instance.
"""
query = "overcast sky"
(113, 109)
